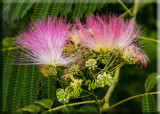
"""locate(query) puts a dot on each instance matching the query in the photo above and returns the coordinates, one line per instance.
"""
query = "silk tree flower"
(108, 33)
(133, 54)
(44, 42)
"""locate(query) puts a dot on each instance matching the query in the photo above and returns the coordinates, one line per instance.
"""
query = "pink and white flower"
(108, 33)
(44, 41)
(105, 33)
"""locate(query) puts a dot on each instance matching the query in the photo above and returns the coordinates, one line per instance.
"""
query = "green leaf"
(68, 110)
(66, 7)
(48, 87)
(54, 8)
(91, 7)
(14, 8)
(88, 109)
(148, 104)
(41, 8)
(7, 56)
(31, 84)
(46, 103)
(8, 42)
(25, 6)
(31, 108)
(101, 4)
(79, 8)
(151, 81)
(6, 4)
(15, 87)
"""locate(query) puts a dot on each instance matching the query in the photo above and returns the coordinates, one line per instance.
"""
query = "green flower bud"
(52, 71)
(91, 64)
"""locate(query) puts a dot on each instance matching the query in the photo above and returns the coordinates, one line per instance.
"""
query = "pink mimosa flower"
(44, 41)
(134, 54)
(108, 33)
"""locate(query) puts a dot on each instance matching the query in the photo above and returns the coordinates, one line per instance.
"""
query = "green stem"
(11, 48)
(150, 39)
(125, 13)
(127, 99)
(93, 101)
(107, 66)
(125, 7)
(135, 9)
(73, 104)
(116, 67)
(109, 92)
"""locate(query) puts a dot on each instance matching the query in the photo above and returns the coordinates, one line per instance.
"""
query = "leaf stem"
(93, 101)
(73, 104)
(150, 39)
(125, 7)
(127, 99)
(125, 13)
(135, 9)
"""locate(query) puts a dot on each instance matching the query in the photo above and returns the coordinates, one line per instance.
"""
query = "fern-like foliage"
(48, 87)
(101, 4)
(15, 87)
(24, 8)
(31, 86)
(41, 8)
(91, 7)
(6, 72)
(18, 8)
(79, 9)
(151, 81)
(148, 104)
(66, 7)
(54, 7)
(88, 109)
(22, 82)
(6, 4)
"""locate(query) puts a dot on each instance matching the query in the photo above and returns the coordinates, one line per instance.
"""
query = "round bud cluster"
(52, 71)
(74, 69)
(101, 79)
(91, 64)
(63, 96)
(130, 59)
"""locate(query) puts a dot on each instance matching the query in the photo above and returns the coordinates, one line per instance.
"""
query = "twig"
(125, 7)
(135, 9)
(127, 99)
(150, 39)
(73, 104)
(109, 92)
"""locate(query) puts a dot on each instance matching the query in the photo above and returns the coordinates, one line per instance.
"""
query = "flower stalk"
(93, 101)
(109, 92)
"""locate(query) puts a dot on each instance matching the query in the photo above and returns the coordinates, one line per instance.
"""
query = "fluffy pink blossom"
(44, 41)
(108, 33)
(136, 54)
